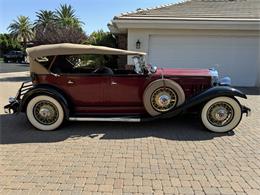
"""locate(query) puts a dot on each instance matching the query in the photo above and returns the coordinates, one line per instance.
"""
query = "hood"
(182, 72)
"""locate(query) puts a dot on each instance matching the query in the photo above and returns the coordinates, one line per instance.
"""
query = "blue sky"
(94, 13)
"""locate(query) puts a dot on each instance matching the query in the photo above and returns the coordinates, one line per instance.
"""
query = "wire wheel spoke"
(220, 114)
(45, 112)
(163, 99)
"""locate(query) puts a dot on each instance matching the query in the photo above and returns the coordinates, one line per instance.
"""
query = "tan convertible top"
(71, 49)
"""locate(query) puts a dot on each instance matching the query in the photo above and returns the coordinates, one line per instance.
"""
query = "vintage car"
(84, 83)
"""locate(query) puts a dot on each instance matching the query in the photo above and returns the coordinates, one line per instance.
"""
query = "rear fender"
(50, 91)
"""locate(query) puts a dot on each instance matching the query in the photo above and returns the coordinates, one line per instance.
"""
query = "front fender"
(216, 92)
(45, 90)
(202, 98)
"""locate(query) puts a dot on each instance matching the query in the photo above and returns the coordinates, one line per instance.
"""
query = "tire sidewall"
(154, 86)
(234, 122)
(34, 122)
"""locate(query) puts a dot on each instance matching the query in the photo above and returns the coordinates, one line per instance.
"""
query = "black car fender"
(49, 90)
(213, 93)
(201, 98)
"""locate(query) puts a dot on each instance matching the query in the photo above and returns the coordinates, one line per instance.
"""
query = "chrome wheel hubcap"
(220, 114)
(45, 112)
(163, 99)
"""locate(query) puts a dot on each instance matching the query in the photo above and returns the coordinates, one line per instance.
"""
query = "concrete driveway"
(176, 156)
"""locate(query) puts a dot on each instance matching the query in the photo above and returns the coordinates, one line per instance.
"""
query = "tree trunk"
(24, 43)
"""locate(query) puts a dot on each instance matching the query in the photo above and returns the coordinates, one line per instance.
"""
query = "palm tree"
(21, 29)
(44, 17)
(65, 15)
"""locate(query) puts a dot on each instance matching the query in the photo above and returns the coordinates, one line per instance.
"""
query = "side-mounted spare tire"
(162, 95)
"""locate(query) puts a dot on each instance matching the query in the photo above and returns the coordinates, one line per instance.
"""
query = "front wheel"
(45, 113)
(221, 114)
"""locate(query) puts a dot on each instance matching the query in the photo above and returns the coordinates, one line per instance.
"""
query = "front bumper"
(246, 110)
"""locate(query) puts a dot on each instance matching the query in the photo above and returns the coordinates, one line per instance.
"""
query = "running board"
(110, 119)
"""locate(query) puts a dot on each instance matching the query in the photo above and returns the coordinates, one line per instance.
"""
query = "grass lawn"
(1, 60)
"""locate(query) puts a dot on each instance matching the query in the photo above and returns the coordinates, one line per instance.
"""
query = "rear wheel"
(221, 114)
(45, 113)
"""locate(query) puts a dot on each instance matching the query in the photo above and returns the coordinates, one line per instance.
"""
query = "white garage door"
(236, 57)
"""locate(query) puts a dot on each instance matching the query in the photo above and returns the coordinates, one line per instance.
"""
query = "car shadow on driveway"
(16, 129)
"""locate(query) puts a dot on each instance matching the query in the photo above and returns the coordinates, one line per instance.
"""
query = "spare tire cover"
(156, 85)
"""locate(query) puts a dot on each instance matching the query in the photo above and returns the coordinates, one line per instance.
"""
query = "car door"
(84, 90)
(125, 90)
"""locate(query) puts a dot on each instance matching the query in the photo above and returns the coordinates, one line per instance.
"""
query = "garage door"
(236, 57)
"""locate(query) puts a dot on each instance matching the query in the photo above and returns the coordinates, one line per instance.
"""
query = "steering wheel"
(103, 70)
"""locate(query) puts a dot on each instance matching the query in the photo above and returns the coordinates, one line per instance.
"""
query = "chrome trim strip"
(110, 119)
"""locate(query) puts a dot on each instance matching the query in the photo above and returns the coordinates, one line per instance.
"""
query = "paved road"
(13, 67)
(177, 156)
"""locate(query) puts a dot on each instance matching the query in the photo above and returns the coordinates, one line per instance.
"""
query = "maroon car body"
(121, 94)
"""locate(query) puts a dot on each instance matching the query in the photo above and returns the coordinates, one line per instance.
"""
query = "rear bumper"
(14, 102)
(246, 110)
(13, 106)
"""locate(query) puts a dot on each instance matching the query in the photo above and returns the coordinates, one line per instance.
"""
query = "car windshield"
(139, 64)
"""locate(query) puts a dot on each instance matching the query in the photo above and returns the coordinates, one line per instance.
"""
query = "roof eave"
(184, 18)
(125, 23)
(115, 30)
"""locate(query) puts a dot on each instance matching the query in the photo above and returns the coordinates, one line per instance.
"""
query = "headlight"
(226, 81)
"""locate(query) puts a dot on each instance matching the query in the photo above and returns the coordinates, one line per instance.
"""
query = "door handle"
(113, 83)
(70, 82)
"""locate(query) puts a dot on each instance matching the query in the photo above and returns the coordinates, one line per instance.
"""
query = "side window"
(78, 64)
(61, 65)
(88, 64)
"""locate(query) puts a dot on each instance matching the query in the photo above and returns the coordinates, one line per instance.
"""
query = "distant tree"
(102, 38)
(58, 26)
(7, 43)
(44, 17)
(65, 16)
(21, 29)
(53, 33)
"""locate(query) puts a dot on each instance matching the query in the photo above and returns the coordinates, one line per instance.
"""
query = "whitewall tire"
(221, 114)
(45, 113)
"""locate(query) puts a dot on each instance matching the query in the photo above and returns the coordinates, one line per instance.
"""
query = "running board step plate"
(110, 119)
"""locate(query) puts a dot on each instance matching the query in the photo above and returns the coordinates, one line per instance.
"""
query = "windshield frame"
(139, 64)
